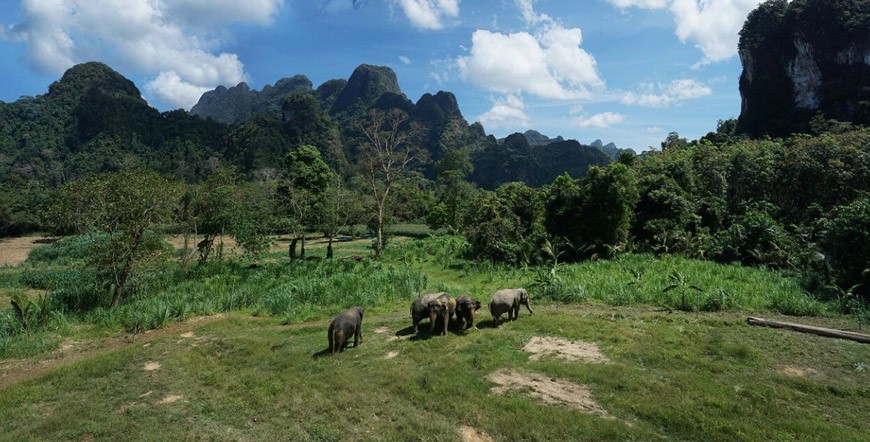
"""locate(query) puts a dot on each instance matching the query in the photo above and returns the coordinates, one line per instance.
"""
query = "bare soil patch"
(548, 390)
(391, 355)
(170, 399)
(470, 434)
(14, 251)
(798, 372)
(151, 366)
(383, 329)
(560, 348)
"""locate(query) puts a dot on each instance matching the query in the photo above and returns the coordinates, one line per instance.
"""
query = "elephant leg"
(446, 322)
(357, 339)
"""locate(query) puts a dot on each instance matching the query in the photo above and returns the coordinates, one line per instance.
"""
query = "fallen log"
(821, 331)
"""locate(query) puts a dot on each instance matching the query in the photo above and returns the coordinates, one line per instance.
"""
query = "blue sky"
(627, 71)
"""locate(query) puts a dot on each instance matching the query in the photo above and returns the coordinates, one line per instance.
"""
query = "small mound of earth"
(383, 329)
(151, 366)
(564, 349)
(474, 435)
(548, 390)
(391, 355)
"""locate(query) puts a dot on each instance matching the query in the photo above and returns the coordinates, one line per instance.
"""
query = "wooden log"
(821, 331)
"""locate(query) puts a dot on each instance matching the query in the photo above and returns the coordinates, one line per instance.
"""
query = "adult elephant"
(433, 306)
(508, 301)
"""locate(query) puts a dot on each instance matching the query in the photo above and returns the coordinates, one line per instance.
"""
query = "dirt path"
(14, 371)
(14, 251)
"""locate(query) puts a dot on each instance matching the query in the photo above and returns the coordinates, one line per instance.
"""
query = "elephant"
(348, 322)
(433, 305)
(508, 300)
(465, 308)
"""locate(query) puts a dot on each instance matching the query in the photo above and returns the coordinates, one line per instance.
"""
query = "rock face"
(364, 88)
(239, 103)
(801, 59)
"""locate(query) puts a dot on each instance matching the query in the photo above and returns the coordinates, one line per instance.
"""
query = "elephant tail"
(337, 340)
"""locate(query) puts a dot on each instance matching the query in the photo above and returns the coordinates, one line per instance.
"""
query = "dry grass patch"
(560, 348)
(548, 390)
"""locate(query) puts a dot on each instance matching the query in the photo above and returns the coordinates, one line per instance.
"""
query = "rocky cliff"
(801, 59)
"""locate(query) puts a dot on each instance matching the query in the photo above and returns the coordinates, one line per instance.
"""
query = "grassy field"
(237, 352)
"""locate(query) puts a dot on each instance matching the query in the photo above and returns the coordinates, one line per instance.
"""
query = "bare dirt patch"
(560, 348)
(470, 434)
(151, 366)
(391, 355)
(383, 329)
(798, 372)
(188, 335)
(14, 251)
(170, 399)
(548, 390)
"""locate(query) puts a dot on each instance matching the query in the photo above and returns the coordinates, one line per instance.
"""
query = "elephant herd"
(439, 308)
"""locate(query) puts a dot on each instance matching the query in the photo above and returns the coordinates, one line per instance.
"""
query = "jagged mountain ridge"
(95, 120)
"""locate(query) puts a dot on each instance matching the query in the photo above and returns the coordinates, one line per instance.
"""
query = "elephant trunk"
(528, 307)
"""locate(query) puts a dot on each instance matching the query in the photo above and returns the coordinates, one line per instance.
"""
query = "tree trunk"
(329, 252)
(821, 331)
(302, 250)
(292, 250)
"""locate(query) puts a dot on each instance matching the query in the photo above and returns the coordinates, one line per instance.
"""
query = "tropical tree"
(122, 212)
(306, 177)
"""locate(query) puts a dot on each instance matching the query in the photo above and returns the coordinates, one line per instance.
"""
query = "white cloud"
(548, 65)
(429, 14)
(171, 89)
(712, 25)
(603, 120)
(654, 130)
(507, 113)
(665, 95)
(149, 37)
(529, 14)
(404, 59)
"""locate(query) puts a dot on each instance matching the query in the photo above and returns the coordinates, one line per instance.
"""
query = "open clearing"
(235, 376)
(14, 251)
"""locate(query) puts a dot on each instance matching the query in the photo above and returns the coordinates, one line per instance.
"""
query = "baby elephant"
(508, 300)
(348, 322)
(434, 305)
(465, 308)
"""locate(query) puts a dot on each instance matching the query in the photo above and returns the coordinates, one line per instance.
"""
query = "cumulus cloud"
(429, 14)
(665, 95)
(506, 113)
(712, 25)
(602, 120)
(158, 38)
(171, 89)
(550, 64)
(404, 59)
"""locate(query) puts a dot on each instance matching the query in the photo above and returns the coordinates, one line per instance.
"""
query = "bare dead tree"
(388, 150)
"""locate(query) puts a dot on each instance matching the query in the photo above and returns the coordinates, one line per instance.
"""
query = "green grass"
(260, 373)
(671, 377)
